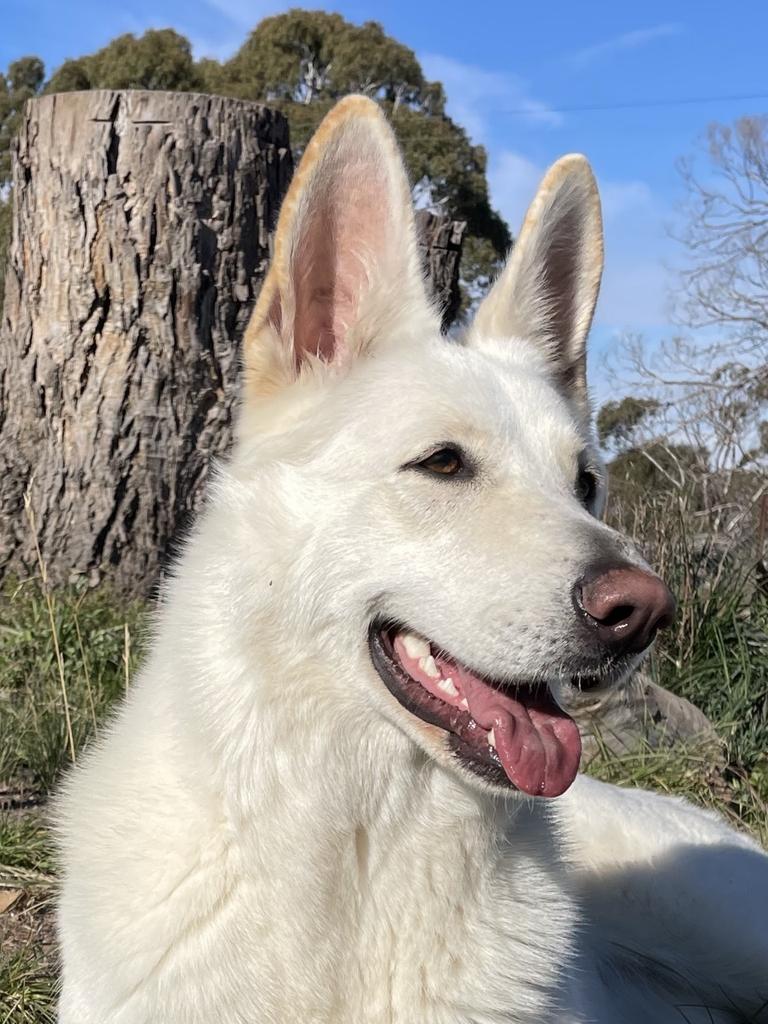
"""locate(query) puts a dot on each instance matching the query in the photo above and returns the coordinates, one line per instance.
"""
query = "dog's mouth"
(509, 734)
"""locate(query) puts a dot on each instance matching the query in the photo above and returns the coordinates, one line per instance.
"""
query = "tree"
(644, 460)
(23, 80)
(301, 62)
(687, 429)
(160, 59)
(303, 56)
(619, 422)
(707, 396)
(725, 236)
(701, 397)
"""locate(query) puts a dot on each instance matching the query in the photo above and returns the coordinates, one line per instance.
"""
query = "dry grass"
(717, 653)
(64, 660)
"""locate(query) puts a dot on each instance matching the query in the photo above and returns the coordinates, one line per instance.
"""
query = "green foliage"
(22, 81)
(25, 76)
(717, 653)
(160, 59)
(27, 985)
(617, 422)
(97, 644)
(27, 991)
(304, 55)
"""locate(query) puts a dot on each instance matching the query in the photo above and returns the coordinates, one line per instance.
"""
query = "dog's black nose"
(624, 605)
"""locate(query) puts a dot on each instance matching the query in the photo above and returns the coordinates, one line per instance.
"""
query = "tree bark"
(441, 240)
(141, 236)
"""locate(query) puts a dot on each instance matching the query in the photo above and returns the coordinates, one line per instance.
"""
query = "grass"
(83, 637)
(66, 657)
(27, 991)
(716, 655)
(26, 853)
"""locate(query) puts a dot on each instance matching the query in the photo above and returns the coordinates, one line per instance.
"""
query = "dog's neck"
(357, 854)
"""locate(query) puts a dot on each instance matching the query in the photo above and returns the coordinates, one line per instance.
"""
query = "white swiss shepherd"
(310, 807)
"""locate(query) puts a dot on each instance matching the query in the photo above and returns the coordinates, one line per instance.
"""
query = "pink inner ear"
(340, 249)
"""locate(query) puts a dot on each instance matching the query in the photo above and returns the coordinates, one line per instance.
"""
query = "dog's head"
(431, 506)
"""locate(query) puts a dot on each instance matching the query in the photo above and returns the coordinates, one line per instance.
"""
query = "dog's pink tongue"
(538, 745)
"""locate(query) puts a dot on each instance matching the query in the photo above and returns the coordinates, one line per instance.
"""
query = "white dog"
(328, 797)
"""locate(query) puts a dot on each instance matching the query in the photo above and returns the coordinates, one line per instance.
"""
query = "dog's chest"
(458, 935)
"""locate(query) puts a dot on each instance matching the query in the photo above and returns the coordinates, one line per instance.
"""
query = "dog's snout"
(625, 606)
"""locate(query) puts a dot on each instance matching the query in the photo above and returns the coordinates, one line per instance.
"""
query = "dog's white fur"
(264, 833)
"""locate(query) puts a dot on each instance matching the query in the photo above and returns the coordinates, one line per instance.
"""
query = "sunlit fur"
(264, 834)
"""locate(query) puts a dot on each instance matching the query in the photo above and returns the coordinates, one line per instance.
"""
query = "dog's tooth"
(414, 646)
(447, 686)
(429, 665)
(491, 739)
(464, 704)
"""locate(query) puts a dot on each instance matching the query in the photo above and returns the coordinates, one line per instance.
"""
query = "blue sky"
(513, 74)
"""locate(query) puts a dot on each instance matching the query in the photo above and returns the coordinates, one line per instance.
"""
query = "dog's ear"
(548, 289)
(346, 268)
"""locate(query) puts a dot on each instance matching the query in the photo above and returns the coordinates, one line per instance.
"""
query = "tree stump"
(441, 240)
(141, 236)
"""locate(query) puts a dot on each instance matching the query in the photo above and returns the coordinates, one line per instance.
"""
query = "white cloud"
(635, 282)
(626, 41)
(474, 94)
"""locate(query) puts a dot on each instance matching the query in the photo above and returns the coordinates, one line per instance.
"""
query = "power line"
(641, 104)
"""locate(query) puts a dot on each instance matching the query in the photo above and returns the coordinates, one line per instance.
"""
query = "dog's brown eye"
(447, 462)
(585, 488)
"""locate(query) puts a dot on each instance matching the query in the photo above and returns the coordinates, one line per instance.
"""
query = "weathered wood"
(639, 716)
(140, 238)
(141, 234)
(441, 241)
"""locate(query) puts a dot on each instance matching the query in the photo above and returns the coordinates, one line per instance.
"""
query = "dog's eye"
(585, 488)
(446, 461)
